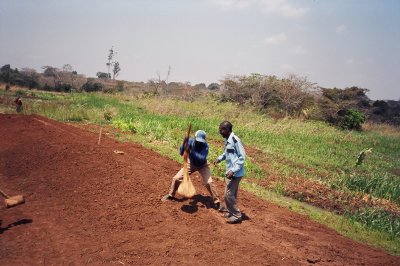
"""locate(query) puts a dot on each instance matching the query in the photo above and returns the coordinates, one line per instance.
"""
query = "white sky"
(335, 43)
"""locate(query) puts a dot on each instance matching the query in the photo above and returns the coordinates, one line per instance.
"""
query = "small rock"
(313, 260)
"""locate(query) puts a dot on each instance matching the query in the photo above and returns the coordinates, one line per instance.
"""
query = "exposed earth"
(88, 204)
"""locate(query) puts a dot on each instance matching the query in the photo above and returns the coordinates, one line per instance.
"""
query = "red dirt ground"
(86, 204)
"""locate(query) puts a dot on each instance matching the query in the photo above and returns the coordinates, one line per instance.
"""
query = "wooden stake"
(98, 142)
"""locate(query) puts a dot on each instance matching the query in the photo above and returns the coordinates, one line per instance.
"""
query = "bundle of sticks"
(186, 187)
(11, 201)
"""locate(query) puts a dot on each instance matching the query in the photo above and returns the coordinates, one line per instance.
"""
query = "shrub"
(110, 90)
(213, 86)
(107, 116)
(20, 93)
(288, 95)
(352, 119)
(120, 86)
(63, 87)
(91, 86)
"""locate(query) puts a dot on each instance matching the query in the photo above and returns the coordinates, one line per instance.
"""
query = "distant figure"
(18, 104)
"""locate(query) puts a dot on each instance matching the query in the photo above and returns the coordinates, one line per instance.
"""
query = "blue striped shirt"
(197, 155)
(234, 155)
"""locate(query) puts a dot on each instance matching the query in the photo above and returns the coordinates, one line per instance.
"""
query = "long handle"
(4, 194)
(188, 130)
(185, 155)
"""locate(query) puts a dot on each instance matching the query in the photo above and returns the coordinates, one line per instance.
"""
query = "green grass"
(347, 226)
(306, 149)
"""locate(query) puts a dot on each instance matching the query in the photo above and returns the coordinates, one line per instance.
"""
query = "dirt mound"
(86, 204)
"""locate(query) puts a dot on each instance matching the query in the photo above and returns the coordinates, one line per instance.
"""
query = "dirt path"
(89, 205)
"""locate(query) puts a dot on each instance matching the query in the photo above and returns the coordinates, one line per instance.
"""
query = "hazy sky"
(335, 43)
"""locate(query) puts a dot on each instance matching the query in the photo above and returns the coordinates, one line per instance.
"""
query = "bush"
(352, 119)
(213, 87)
(91, 86)
(110, 90)
(288, 95)
(20, 93)
(120, 86)
(63, 87)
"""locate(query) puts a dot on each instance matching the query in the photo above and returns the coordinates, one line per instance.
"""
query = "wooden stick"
(4, 194)
(98, 142)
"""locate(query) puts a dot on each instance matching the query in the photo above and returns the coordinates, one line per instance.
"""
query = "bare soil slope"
(88, 205)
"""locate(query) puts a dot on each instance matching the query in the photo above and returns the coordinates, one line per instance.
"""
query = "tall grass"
(378, 219)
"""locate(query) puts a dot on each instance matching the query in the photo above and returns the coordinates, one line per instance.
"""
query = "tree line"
(295, 96)
(292, 96)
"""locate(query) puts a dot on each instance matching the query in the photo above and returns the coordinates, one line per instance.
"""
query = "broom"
(12, 201)
(186, 187)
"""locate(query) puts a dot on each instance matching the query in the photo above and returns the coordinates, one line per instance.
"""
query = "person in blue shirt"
(198, 151)
(234, 155)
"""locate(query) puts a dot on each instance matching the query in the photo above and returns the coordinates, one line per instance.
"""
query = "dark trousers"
(231, 193)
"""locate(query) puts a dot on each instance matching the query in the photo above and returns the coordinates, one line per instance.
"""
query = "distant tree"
(116, 69)
(213, 86)
(50, 71)
(9, 75)
(159, 85)
(102, 75)
(110, 57)
(5, 73)
(200, 86)
(5, 68)
(111, 63)
(335, 105)
(293, 93)
(352, 95)
(30, 78)
(91, 86)
(69, 76)
(67, 68)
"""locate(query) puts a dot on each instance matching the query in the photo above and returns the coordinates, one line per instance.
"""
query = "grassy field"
(290, 162)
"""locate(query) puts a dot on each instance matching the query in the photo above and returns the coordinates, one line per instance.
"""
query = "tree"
(69, 75)
(110, 57)
(293, 93)
(67, 68)
(49, 71)
(116, 69)
(5, 73)
(213, 86)
(158, 84)
(30, 78)
(102, 75)
(91, 86)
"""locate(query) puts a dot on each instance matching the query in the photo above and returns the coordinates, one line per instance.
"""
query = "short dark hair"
(227, 125)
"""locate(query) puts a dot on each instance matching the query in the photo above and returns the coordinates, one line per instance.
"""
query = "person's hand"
(229, 175)
(215, 162)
